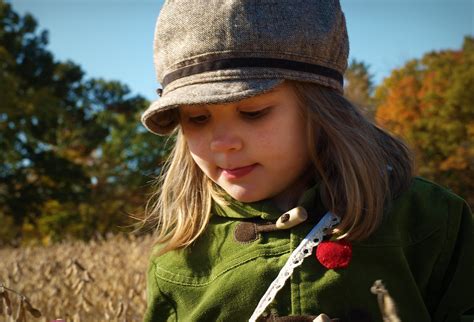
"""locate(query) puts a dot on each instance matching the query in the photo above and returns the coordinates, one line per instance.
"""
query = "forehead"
(275, 94)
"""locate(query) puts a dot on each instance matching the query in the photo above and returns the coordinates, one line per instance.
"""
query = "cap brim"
(162, 117)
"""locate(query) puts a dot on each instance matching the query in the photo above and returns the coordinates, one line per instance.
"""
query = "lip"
(236, 173)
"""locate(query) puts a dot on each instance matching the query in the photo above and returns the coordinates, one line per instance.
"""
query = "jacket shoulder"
(159, 306)
(428, 189)
(423, 209)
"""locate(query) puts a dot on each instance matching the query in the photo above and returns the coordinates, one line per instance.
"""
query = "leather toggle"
(247, 231)
(292, 218)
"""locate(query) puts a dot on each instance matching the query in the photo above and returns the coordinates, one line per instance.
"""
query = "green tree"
(430, 103)
(359, 87)
(75, 159)
(32, 86)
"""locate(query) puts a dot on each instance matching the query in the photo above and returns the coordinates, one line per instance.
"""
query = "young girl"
(280, 201)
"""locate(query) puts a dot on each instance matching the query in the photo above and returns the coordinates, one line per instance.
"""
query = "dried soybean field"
(101, 280)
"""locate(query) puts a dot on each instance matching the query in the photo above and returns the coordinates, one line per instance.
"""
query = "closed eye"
(255, 114)
(199, 119)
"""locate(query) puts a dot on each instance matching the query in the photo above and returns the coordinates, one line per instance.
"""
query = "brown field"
(77, 281)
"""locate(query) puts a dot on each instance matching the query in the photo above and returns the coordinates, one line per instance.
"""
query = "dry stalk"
(24, 304)
(386, 303)
(75, 278)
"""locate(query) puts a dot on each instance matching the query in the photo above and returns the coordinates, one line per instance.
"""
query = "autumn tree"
(430, 103)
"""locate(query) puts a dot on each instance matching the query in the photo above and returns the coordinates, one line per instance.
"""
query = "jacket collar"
(266, 209)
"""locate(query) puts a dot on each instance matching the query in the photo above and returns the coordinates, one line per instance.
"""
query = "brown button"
(292, 218)
(285, 217)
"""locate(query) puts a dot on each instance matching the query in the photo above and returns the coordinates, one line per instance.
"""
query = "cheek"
(282, 140)
(290, 148)
(195, 143)
(196, 148)
(199, 156)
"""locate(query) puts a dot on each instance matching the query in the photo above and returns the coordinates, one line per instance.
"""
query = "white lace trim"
(304, 249)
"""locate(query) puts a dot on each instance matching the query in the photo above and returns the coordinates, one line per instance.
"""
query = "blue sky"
(113, 39)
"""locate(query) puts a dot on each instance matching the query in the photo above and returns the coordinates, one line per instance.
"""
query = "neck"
(288, 198)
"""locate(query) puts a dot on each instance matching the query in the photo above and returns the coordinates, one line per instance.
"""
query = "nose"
(225, 139)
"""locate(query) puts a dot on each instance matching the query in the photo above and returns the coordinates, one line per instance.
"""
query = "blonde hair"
(361, 166)
(351, 158)
(180, 207)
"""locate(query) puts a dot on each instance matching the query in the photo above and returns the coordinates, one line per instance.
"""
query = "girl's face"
(254, 149)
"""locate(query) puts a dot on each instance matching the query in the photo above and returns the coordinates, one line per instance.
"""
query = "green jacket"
(423, 252)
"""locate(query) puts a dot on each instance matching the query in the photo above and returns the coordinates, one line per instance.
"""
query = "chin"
(244, 196)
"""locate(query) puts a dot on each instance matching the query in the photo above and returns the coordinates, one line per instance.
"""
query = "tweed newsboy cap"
(220, 51)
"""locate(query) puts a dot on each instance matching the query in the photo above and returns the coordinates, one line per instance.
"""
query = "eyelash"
(200, 119)
(255, 114)
(251, 115)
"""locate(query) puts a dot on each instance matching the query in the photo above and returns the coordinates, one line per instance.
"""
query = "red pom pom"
(334, 254)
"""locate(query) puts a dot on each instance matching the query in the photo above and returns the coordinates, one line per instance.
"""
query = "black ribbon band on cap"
(252, 62)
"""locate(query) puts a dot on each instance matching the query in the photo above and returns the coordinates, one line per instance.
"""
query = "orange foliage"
(429, 103)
